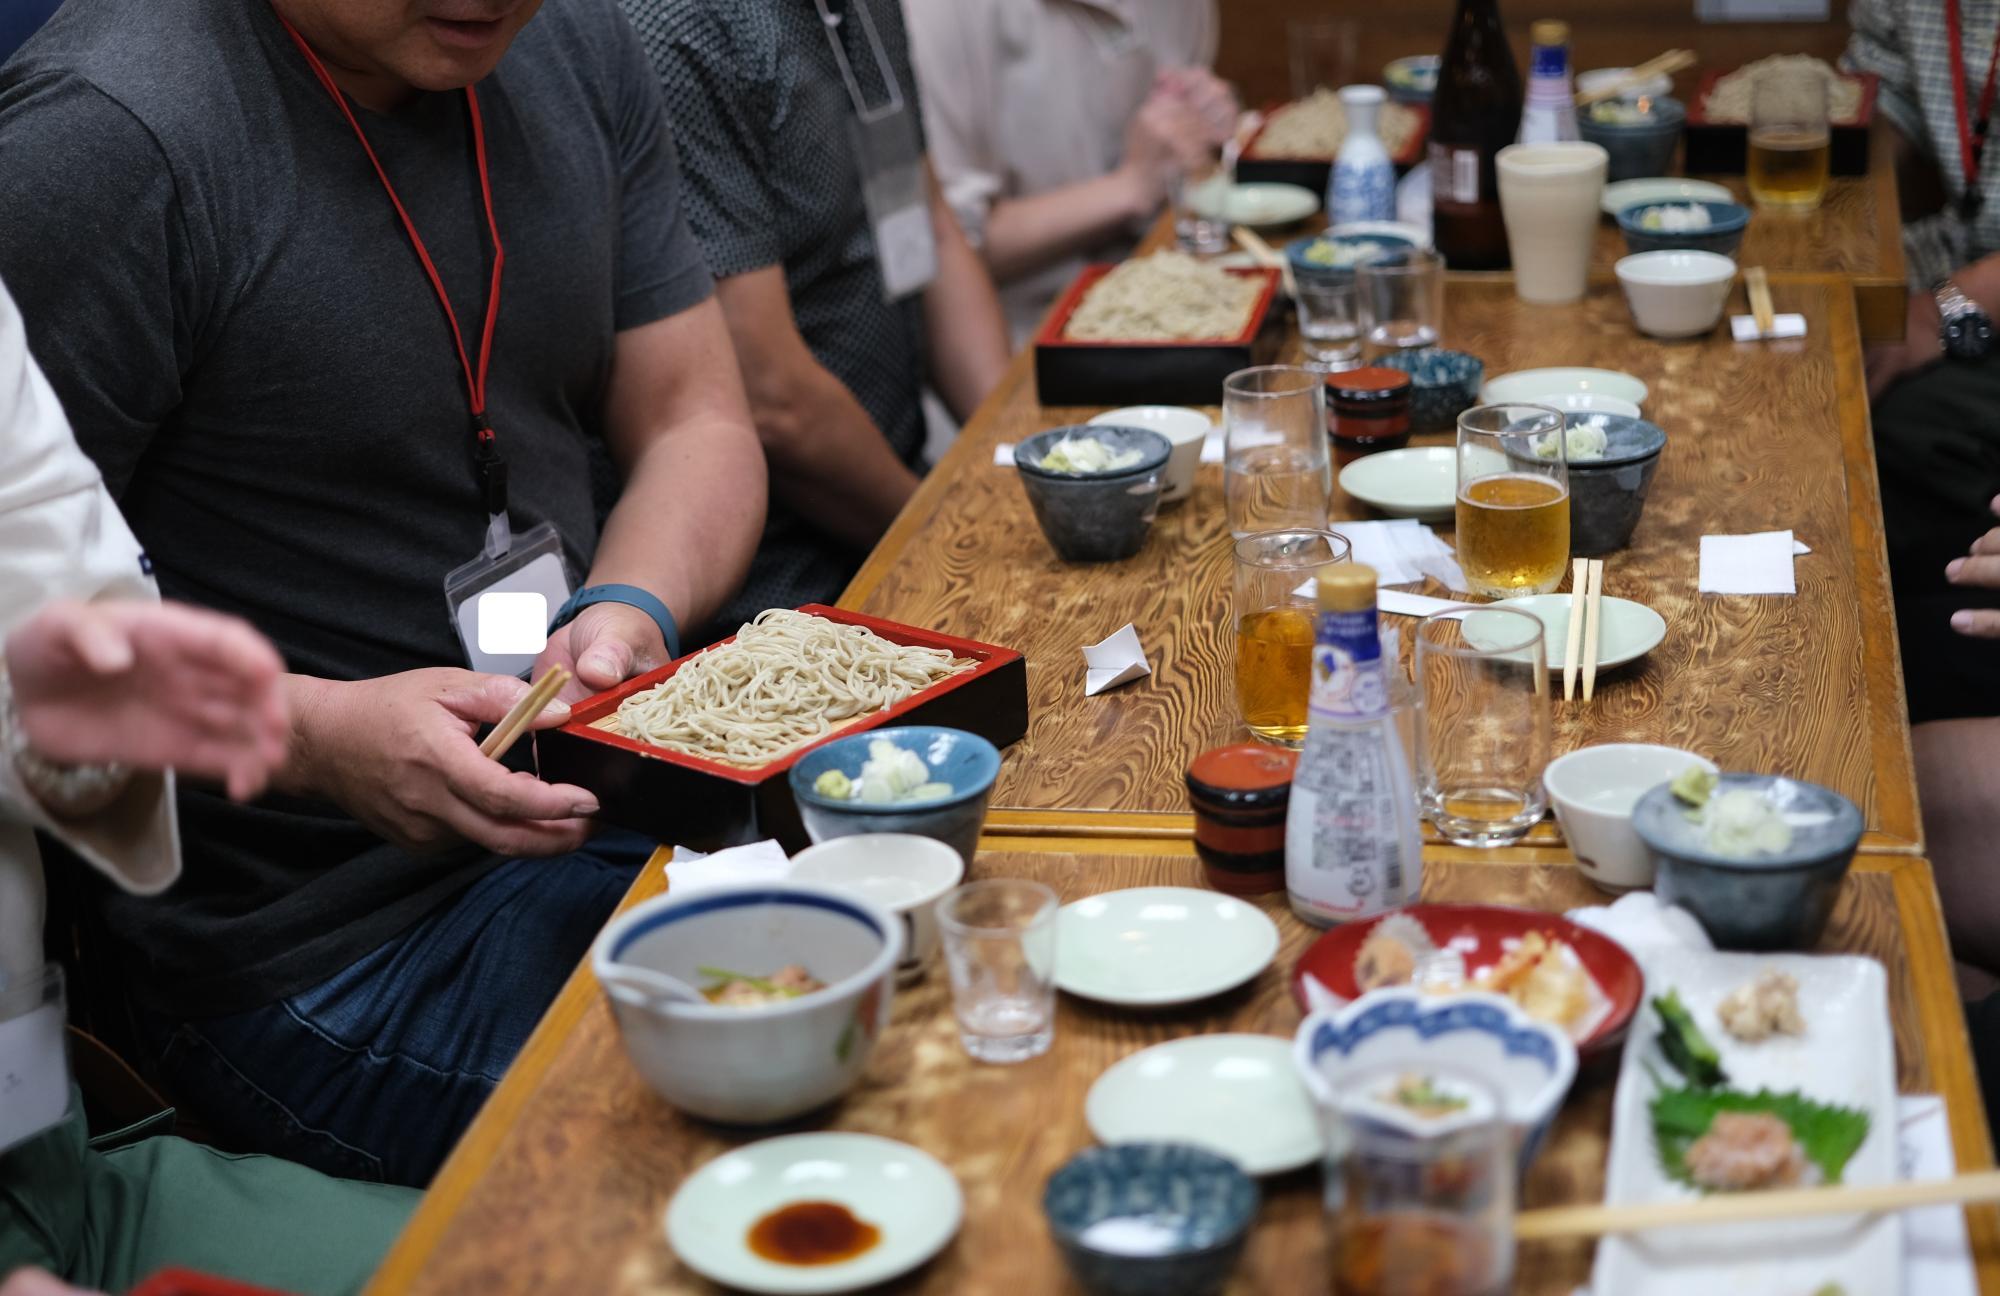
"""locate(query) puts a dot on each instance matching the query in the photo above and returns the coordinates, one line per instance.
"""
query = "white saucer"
(1528, 384)
(1239, 1095)
(1630, 630)
(906, 1193)
(1150, 946)
(1259, 206)
(1420, 482)
(1660, 189)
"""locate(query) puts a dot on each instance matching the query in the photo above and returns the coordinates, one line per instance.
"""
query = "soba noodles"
(1165, 297)
(1313, 127)
(786, 679)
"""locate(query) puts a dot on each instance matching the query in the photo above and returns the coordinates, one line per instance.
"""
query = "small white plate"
(1239, 1095)
(1151, 946)
(906, 1193)
(1420, 482)
(1630, 630)
(1259, 206)
(1660, 189)
(1528, 384)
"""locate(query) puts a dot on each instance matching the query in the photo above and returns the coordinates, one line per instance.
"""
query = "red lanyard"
(493, 477)
(1971, 137)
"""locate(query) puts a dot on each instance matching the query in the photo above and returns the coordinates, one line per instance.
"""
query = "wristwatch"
(1964, 331)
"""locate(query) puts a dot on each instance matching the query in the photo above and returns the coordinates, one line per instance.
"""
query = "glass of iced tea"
(1275, 612)
(1789, 139)
(1419, 1184)
(1485, 727)
(1513, 499)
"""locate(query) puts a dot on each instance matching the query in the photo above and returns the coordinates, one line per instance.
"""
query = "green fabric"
(107, 1220)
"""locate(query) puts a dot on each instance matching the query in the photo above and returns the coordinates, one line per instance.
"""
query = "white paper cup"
(903, 873)
(1594, 789)
(1548, 196)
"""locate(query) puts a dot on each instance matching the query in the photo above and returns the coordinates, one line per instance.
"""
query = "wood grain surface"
(562, 1182)
(1761, 436)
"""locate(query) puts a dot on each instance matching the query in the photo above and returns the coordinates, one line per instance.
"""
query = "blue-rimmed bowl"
(1351, 249)
(1096, 517)
(1150, 1219)
(1637, 148)
(1770, 900)
(1608, 494)
(751, 1066)
(1530, 1064)
(1443, 385)
(1726, 223)
(964, 760)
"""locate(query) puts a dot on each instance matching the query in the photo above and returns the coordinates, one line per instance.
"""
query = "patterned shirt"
(1905, 43)
(762, 119)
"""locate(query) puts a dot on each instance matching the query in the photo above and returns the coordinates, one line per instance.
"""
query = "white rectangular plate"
(1847, 1057)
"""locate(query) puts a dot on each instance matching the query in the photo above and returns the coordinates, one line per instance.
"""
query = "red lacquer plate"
(1483, 934)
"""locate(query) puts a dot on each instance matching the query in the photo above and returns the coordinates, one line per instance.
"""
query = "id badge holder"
(34, 1056)
(893, 188)
(526, 565)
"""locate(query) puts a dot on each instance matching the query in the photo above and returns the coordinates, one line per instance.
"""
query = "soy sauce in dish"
(812, 1233)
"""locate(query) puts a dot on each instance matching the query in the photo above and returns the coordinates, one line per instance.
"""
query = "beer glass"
(1275, 619)
(1277, 467)
(1401, 296)
(1483, 675)
(1513, 499)
(1789, 139)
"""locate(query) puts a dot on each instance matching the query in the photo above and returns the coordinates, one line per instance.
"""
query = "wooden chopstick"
(522, 713)
(1593, 620)
(1666, 64)
(1729, 1208)
(1577, 579)
(1758, 285)
(1265, 255)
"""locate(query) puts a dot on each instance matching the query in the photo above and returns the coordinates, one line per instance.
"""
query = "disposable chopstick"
(1264, 254)
(1579, 568)
(1758, 285)
(522, 713)
(1593, 622)
(1661, 65)
(1739, 1207)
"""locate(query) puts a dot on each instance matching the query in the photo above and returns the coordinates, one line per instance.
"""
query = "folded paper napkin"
(1118, 660)
(1937, 1258)
(1744, 327)
(1748, 564)
(1003, 454)
(1214, 445)
(1402, 552)
(762, 861)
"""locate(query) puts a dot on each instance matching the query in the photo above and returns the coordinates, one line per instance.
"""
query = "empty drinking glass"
(1276, 615)
(1483, 674)
(1000, 948)
(1277, 466)
(1329, 319)
(1200, 202)
(1401, 301)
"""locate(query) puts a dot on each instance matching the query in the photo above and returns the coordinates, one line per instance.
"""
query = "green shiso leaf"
(1689, 1051)
(1829, 1135)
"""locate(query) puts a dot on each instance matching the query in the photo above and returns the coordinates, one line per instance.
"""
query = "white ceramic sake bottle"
(1362, 186)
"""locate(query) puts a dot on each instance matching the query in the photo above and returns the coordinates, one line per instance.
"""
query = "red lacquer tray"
(1072, 372)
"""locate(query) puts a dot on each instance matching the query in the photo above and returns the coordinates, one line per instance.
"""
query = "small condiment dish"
(1185, 429)
(1677, 294)
(1095, 517)
(902, 872)
(965, 761)
(1150, 1219)
(1443, 385)
(1594, 791)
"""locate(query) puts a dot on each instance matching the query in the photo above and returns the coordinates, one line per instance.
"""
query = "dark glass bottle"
(1475, 113)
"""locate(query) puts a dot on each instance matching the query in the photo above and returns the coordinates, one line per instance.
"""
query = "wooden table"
(561, 1183)
(1761, 436)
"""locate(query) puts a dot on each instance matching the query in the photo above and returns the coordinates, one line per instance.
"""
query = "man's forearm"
(1024, 235)
(829, 463)
(962, 317)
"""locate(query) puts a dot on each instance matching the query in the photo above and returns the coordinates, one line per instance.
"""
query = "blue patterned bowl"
(1443, 385)
(965, 760)
(1150, 1219)
(1095, 517)
(1726, 223)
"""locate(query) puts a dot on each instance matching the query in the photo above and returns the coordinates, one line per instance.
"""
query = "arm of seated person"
(967, 329)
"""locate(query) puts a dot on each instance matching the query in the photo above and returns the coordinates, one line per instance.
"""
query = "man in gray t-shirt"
(235, 316)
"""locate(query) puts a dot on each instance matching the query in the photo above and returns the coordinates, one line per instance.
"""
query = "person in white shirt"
(104, 693)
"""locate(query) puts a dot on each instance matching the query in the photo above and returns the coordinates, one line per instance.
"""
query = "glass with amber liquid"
(1274, 614)
(1513, 499)
(1790, 144)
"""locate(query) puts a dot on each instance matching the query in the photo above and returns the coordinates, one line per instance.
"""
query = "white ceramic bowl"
(1530, 1064)
(1576, 402)
(1185, 429)
(1594, 789)
(1676, 294)
(752, 1066)
(903, 873)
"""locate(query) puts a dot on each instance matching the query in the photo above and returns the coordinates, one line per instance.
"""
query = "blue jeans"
(374, 1073)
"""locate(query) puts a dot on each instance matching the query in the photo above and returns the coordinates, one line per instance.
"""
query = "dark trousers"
(1937, 447)
(374, 1073)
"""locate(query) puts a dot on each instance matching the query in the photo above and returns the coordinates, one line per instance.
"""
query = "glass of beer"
(1485, 731)
(1277, 468)
(1275, 618)
(1789, 140)
(1513, 499)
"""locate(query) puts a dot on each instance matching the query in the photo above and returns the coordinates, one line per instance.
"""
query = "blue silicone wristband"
(631, 596)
